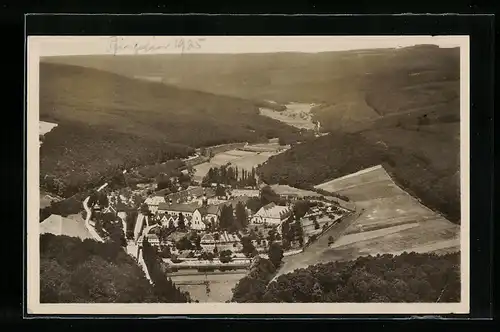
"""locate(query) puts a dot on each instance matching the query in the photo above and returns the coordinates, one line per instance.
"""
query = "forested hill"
(349, 86)
(107, 121)
(76, 271)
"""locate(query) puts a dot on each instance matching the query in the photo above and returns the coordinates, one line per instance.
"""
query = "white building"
(245, 192)
(223, 241)
(196, 216)
(153, 202)
(271, 214)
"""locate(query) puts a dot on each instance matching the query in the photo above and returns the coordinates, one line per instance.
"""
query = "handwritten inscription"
(119, 45)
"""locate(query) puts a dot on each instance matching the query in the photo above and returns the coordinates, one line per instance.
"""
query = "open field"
(389, 221)
(252, 156)
(220, 284)
(296, 114)
(283, 189)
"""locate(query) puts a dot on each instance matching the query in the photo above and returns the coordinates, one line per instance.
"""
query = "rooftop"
(272, 210)
(178, 207)
(209, 209)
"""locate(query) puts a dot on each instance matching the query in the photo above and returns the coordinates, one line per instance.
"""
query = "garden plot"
(249, 162)
(282, 189)
(309, 227)
(266, 147)
(239, 153)
(223, 159)
(237, 158)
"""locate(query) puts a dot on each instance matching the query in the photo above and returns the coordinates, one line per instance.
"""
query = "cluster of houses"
(199, 209)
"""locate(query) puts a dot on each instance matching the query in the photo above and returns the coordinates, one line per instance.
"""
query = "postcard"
(178, 175)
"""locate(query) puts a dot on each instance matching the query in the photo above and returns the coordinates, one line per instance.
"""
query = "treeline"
(233, 220)
(163, 286)
(409, 277)
(76, 271)
(423, 163)
(252, 287)
(232, 176)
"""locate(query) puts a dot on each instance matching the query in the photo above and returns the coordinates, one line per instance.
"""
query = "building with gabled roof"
(271, 214)
(154, 201)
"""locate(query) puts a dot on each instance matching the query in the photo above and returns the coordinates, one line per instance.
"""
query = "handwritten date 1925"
(120, 44)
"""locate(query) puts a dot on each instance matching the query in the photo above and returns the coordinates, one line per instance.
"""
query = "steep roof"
(210, 209)
(178, 207)
(207, 238)
(272, 210)
(191, 191)
(154, 200)
(58, 225)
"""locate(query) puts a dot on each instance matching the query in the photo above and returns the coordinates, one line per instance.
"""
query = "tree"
(94, 273)
(282, 141)
(249, 290)
(248, 248)
(220, 191)
(171, 225)
(275, 254)
(165, 252)
(385, 278)
(195, 238)
(180, 223)
(241, 215)
(226, 220)
(267, 195)
(296, 233)
(316, 224)
(130, 221)
(184, 244)
(254, 204)
(300, 208)
(145, 209)
(271, 235)
(330, 240)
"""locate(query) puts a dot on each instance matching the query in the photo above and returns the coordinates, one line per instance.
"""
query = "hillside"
(409, 277)
(75, 271)
(352, 87)
(423, 162)
(107, 122)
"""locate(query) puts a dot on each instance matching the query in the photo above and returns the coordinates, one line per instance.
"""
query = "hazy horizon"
(49, 46)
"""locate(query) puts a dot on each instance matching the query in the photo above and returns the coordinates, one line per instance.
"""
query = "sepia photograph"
(247, 174)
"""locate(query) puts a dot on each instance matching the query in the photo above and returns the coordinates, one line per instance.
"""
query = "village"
(215, 225)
